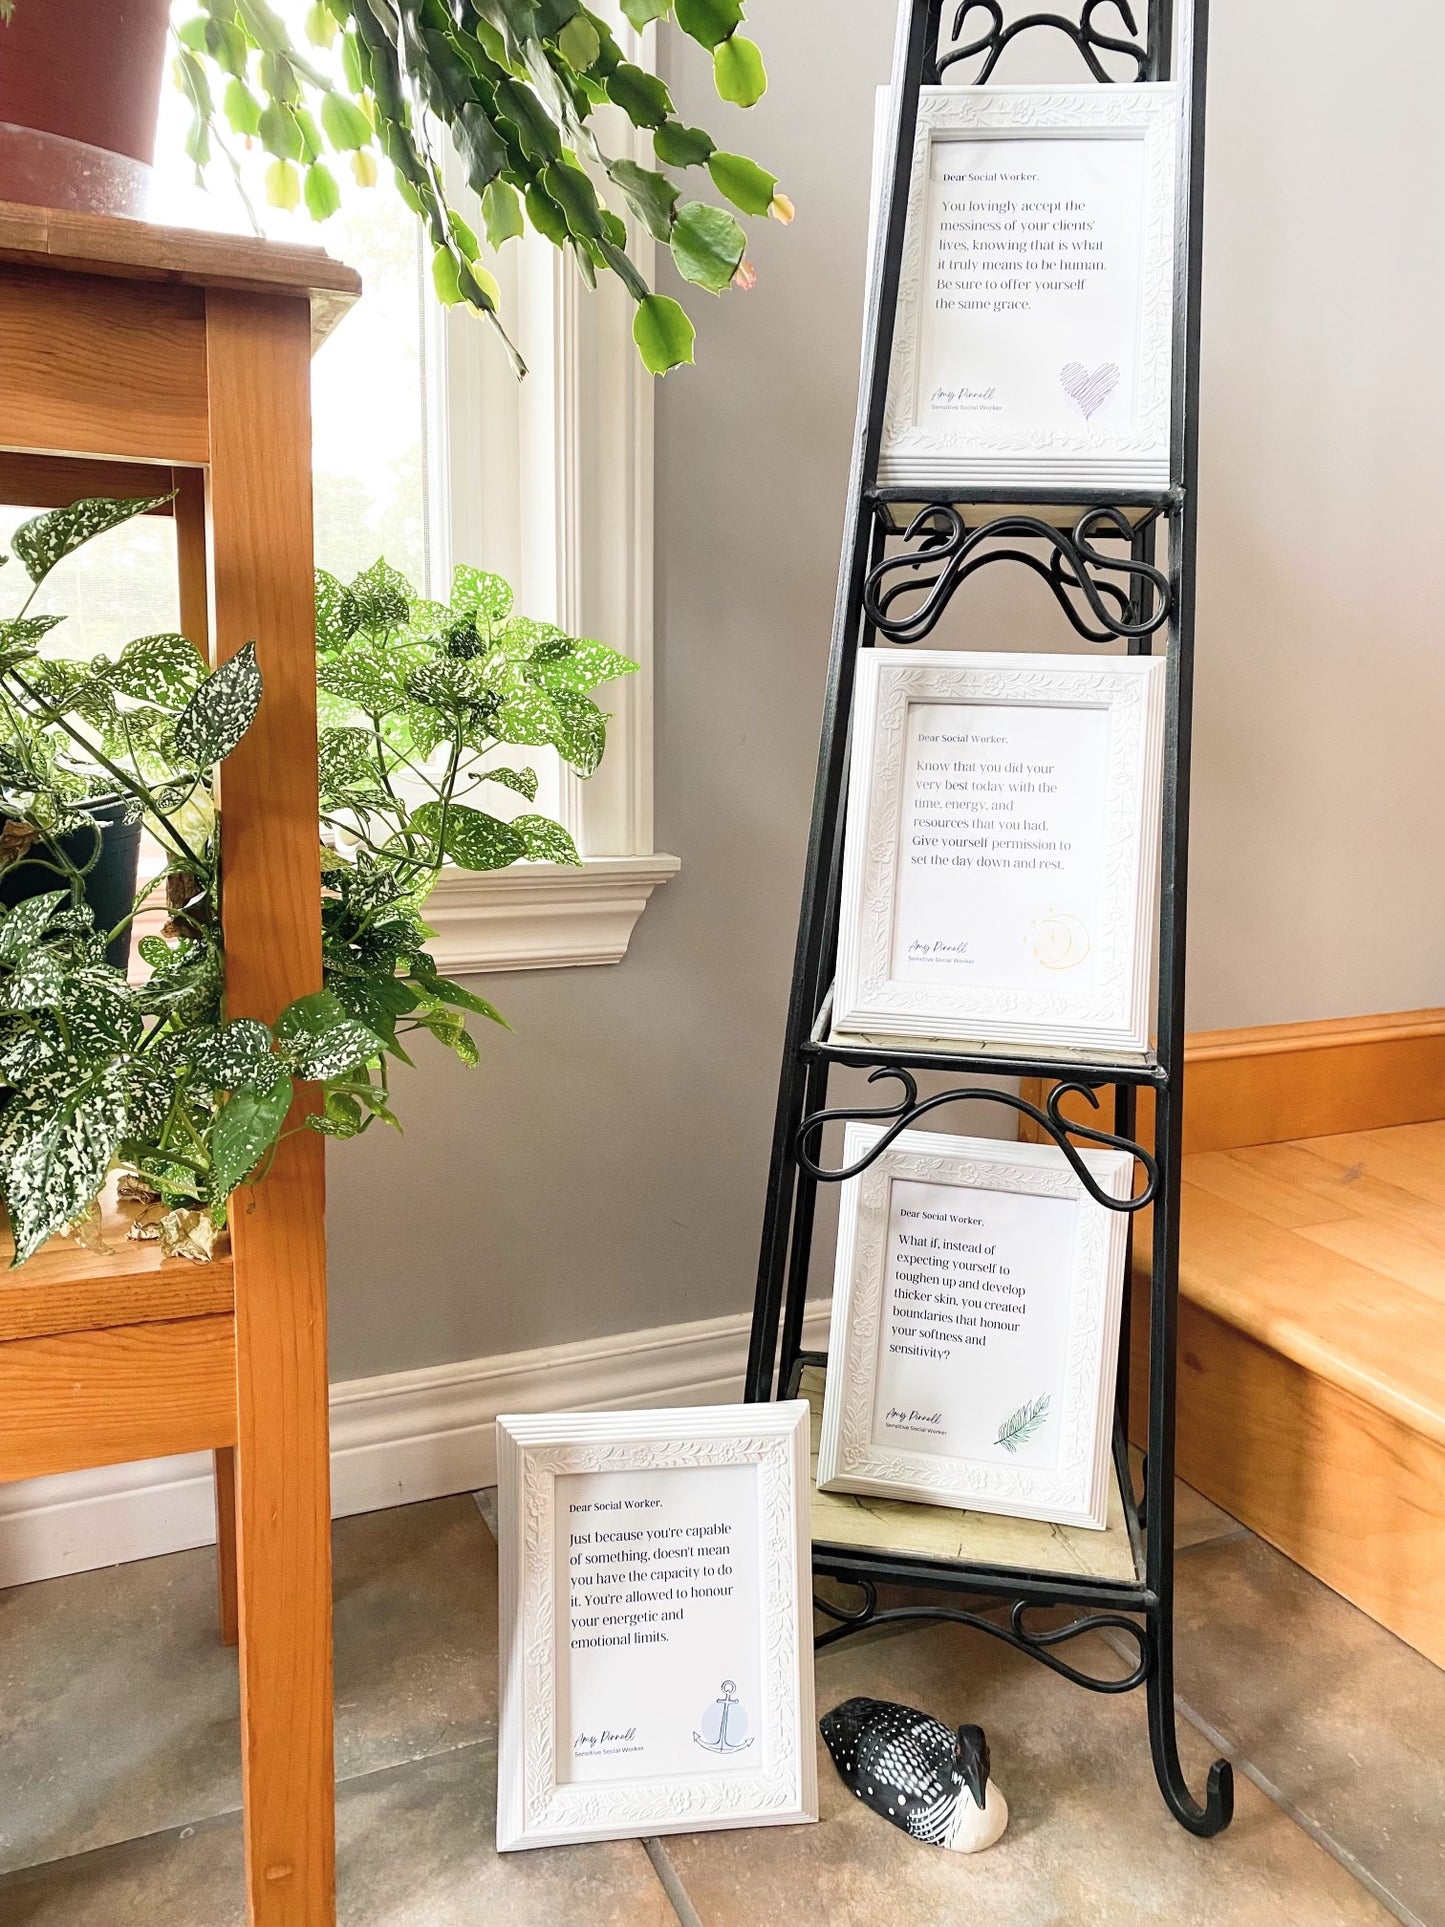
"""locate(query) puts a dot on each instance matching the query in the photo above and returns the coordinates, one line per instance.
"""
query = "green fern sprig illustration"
(1020, 1426)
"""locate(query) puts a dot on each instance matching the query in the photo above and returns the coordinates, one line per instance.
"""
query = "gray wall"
(603, 1170)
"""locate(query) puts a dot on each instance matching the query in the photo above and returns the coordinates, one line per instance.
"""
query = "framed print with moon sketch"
(1034, 330)
(1002, 849)
(656, 1623)
(975, 1329)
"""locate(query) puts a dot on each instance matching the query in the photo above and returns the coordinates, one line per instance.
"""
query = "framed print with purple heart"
(1035, 309)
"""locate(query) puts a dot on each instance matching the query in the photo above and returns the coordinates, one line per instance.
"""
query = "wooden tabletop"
(138, 250)
(66, 1288)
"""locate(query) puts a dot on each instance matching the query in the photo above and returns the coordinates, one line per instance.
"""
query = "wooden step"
(1312, 1357)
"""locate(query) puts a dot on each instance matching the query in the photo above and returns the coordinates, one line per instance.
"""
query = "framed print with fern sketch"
(656, 1623)
(1001, 849)
(975, 1328)
(1035, 310)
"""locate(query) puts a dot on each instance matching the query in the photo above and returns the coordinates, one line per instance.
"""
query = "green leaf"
(587, 665)
(38, 983)
(523, 781)
(578, 42)
(22, 928)
(535, 127)
(546, 841)
(359, 679)
(56, 1160)
(707, 245)
(738, 71)
(346, 760)
(708, 21)
(582, 735)
(343, 123)
(475, 593)
(570, 188)
(652, 196)
(663, 334)
(501, 212)
(47, 539)
(242, 109)
(221, 711)
(748, 186)
(164, 669)
(234, 1055)
(640, 95)
(148, 1095)
(321, 1038)
(545, 215)
(446, 277)
(383, 596)
(283, 184)
(679, 146)
(455, 993)
(472, 839)
(640, 12)
(246, 1127)
(338, 613)
(323, 196)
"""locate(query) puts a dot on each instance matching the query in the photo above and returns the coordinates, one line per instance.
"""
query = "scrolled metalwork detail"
(1038, 1645)
(850, 1618)
(1088, 38)
(911, 1107)
(949, 552)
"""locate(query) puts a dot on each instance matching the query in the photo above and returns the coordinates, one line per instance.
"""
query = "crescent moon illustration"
(1061, 941)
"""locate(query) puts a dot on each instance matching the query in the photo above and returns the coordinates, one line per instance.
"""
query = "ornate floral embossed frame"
(1072, 1487)
(1108, 1011)
(775, 1781)
(1110, 445)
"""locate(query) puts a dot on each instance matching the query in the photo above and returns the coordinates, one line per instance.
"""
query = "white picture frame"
(744, 1755)
(1040, 934)
(881, 1394)
(1070, 385)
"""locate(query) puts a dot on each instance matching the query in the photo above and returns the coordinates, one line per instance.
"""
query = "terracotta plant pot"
(80, 85)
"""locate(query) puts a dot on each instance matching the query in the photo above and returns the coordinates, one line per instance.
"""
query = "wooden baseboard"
(1279, 1082)
(1342, 1487)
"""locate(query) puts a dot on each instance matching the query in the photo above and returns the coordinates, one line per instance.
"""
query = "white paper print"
(973, 1340)
(1000, 870)
(660, 1637)
(1031, 312)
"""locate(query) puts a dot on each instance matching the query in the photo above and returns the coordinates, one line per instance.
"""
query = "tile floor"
(119, 1787)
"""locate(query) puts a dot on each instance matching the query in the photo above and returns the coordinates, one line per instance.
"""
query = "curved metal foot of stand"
(1218, 1808)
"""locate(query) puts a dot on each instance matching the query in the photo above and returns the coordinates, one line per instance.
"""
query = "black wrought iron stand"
(1097, 550)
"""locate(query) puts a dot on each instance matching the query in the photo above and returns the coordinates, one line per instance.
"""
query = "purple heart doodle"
(1089, 390)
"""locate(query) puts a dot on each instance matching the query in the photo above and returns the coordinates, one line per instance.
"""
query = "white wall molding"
(395, 1440)
(549, 481)
(542, 916)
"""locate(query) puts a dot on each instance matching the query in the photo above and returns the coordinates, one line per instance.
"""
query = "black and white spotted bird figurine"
(917, 1773)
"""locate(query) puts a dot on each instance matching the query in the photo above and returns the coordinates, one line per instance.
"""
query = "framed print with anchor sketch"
(656, 1623)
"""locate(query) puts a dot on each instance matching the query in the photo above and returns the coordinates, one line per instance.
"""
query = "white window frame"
(549, 482)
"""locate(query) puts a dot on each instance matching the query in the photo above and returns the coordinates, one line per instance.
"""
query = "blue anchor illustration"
(725, 1724)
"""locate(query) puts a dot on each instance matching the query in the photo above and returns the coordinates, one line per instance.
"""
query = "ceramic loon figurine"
(908, 1766)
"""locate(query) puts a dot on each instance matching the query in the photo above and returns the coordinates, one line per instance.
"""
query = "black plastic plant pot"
(109, 886)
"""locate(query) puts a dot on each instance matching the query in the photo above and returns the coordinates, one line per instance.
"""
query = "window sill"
(542, 916)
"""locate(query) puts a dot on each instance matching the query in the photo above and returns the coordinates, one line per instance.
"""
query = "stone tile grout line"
(671, 1883)
(1307, 1825)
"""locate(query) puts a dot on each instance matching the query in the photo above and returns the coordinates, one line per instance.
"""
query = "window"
(428, 451)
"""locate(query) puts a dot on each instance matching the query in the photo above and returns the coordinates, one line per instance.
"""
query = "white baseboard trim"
(394, 1440)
